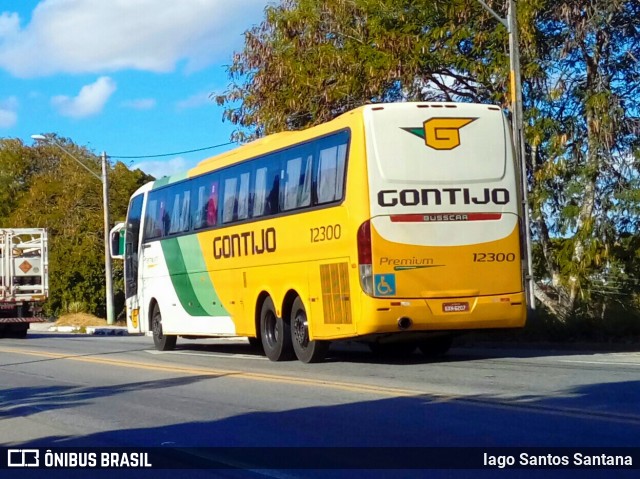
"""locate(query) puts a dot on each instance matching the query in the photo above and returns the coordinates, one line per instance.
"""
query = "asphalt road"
(66, 390)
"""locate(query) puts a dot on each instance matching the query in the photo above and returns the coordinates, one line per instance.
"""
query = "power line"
(170, 154)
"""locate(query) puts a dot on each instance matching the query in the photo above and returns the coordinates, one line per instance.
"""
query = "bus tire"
(306, 350)
(162, 342)
(437, 346)
(275, 333)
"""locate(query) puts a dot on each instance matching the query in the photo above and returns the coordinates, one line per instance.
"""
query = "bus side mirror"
(117, 236)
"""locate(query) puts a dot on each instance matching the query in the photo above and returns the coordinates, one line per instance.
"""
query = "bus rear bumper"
(441, 314)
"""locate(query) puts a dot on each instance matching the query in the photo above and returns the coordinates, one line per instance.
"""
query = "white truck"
(24, 279)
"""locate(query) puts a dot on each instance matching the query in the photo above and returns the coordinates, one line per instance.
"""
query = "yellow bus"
(394, 224)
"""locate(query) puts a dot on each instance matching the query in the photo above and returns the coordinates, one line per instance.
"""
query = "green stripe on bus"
(165, 180)
(179, 277)
(161, 182)
(198, 300)
(200, 278)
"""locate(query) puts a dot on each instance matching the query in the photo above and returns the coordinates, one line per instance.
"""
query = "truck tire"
(21, 331)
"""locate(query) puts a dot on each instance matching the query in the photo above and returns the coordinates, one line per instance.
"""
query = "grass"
(83, 320)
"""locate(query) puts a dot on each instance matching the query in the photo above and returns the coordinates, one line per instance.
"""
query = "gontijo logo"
(441, 133)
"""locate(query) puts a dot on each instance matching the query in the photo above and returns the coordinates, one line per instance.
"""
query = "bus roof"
(285, 139)
(260, 143)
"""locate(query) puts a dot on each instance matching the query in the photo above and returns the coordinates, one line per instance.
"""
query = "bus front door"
(131, 266)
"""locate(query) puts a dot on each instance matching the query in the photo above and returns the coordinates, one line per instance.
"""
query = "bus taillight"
(364, 243)
(365, 257)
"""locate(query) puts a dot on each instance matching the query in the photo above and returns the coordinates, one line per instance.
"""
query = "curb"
(90, 330)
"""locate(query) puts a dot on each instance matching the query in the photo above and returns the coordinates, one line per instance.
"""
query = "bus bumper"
(441, 314)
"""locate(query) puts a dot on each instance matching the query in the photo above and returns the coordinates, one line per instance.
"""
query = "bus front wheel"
(275, 334)
(163, 342)
(306, 350)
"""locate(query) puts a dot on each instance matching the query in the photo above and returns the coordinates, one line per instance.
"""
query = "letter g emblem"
(444, 133)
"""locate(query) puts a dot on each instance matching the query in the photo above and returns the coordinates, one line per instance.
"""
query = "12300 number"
(493, 257)
(325, 233)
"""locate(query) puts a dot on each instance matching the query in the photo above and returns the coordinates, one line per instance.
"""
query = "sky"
(127, 77)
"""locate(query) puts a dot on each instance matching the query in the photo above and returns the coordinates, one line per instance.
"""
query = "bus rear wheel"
(306, 350)
(163, 342)
(275, 334)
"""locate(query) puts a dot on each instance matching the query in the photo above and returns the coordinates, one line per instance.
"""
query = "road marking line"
(207, 355)
(430, 397)
(386, 391)
(615, 363)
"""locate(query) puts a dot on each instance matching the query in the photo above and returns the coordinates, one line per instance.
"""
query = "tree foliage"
(311, 60)
(584, 126)
(42, 187)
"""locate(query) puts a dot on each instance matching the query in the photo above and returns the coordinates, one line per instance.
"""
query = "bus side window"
(200, 209)
(179, 210)
(304, 189)
(204, 207)
(230, 200)
(259, 193)
(153, 221)
(185, 212)
(211, 212)
(243, 196)
(289, 190)
(265, 192)
(273, 197)
(165, 219)
(330, 180)
(295, 188)
(150, 219)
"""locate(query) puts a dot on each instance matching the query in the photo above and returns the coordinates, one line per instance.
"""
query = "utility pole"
(511, 24)
(107, 254)
(104, 178)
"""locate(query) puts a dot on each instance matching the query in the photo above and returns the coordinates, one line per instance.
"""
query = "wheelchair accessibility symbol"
(385, 284)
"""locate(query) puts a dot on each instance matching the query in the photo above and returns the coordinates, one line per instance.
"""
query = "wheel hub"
(157, 328)
(300, 330)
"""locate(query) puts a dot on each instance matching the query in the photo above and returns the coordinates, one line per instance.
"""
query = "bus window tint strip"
(300, 177)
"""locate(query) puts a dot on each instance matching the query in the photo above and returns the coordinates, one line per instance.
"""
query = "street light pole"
(104, 179)
(518, 135)
(511, 24)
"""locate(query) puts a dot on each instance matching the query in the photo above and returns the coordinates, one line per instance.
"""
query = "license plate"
(455, 307)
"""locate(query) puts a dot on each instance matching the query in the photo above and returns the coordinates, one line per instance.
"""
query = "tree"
(52, 191)
(311, 60)
(18, 165)
(584, 132)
